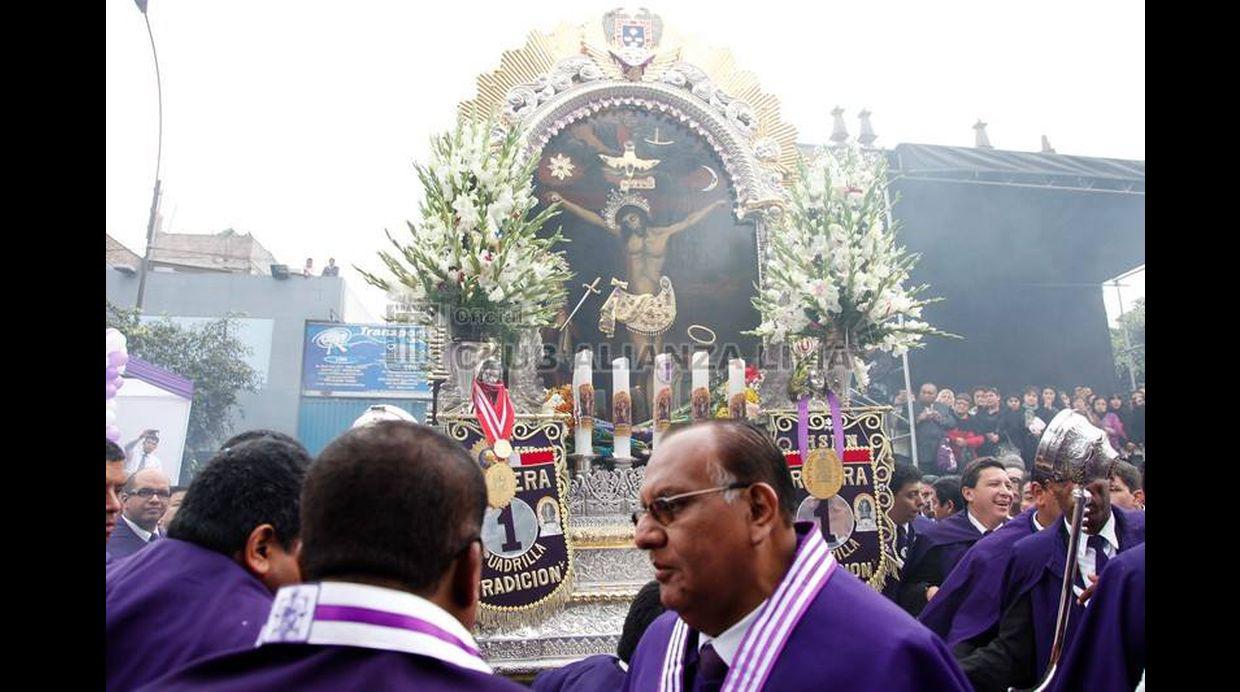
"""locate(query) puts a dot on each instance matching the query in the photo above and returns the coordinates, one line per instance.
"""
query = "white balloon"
(111, 416)
(114, 340)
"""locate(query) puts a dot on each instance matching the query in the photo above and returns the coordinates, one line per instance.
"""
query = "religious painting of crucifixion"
(648, 207)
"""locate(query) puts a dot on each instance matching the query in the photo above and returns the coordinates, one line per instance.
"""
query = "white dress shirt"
(730, 640)
(141, 532)
(1086, 557)
(981, 528)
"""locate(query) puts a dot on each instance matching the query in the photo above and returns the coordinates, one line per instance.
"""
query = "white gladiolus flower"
(467, 214)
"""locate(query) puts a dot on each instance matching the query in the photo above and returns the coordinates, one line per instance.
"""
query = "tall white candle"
(736, 388)
(664, 367)
(700, 395)
(583, 401)
(622, 408)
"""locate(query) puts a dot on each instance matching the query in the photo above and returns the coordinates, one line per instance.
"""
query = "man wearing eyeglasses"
(759, 602)
(144, 499)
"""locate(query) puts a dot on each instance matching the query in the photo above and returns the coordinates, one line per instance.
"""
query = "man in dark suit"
(144, 499)
(1032, 581)
(987, 492)
(905, 513)
(932, 421)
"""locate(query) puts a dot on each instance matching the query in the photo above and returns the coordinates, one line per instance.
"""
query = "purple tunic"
(174, 602)
(967, 604)
(347, 636)
(599, 673)
(307, 667)
(850, 638)
(1036, 570)
(932, 557)
(1108, 651)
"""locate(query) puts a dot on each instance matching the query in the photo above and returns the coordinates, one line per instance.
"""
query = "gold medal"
(822, 473)
(501, 485)
(503, 449)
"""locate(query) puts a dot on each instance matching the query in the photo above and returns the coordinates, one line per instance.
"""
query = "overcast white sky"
(299, 121)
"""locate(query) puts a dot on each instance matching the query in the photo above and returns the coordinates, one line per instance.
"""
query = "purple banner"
(857, 525)
(526, 557)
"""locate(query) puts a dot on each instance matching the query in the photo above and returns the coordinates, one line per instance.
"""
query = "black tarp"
(1018, 245)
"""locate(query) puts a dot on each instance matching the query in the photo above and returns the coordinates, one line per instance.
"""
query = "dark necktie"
(1100, 558)
(902, 541)
(154, 536)
(711, 671)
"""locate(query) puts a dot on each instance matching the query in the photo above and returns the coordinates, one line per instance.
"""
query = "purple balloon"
(113, 433)
(112, 372)
(119, 382)
(111, 389)
(118, 358)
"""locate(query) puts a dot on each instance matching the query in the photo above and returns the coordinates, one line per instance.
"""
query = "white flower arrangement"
(476, 246)
(833, 269)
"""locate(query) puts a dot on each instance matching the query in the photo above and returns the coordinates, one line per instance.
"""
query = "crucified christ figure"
(645, 249)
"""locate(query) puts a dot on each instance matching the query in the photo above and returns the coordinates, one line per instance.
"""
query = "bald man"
(144, 499)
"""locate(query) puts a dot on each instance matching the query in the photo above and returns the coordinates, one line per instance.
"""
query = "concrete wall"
(288, 303)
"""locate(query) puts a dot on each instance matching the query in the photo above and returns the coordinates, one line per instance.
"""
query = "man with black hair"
(756, 598)
(208, 586)
(139, 459)
(113, 478)
(965, 611)
(174, 504)
(605, 672)
(905, 513)
(987, 492)
(1029, 596)
(392, 554)
(1126, 487)
(945, 497)
(261, 434)
(926, 488)
(144, 499)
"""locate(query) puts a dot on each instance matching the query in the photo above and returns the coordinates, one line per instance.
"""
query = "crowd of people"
(954, 427)
(360, 569)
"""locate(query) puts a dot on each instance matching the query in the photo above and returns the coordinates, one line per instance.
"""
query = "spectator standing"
(1136, 417)
(331, 269)
(933, 420)
(308, 270)
(964, 442)
(144, 499)
(1048, 405)
(985, 421)
(1109, 422)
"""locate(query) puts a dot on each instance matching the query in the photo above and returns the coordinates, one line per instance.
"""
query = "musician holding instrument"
(1039, 611)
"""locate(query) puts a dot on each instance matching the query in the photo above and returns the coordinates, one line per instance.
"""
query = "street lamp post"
(159, 151)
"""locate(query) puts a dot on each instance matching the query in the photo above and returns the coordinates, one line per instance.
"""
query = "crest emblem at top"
(633, 37)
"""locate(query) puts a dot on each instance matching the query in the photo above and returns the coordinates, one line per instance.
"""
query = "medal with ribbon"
(496, 416)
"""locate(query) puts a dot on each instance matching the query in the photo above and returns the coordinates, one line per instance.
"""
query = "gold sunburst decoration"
(524, 66)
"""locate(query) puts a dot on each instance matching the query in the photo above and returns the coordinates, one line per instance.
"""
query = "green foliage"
(209, 354)
(1133, 322)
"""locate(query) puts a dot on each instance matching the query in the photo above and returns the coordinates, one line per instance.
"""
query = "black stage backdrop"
(1018, 245)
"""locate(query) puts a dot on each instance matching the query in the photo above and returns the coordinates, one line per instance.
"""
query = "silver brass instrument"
(1071, 449)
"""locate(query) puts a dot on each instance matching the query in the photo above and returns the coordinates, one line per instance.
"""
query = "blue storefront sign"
(364, 360)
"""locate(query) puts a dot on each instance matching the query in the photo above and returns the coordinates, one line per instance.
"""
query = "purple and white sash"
(769, 633)
(371, 617)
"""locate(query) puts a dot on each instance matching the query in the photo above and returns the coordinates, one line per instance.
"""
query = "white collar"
(1036, 526)
(371, 617)
(1107, 532)
(141, 532)
(981, 528)
(730, 640)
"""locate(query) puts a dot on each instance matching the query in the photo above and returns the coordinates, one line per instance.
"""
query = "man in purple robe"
(987, 491)
(144, 499)
(965, 611)
(759, 602)
(113, 479)
(1020, 653)
(207, 587)
(604, 672)
(1108, 650)
(391, 518)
